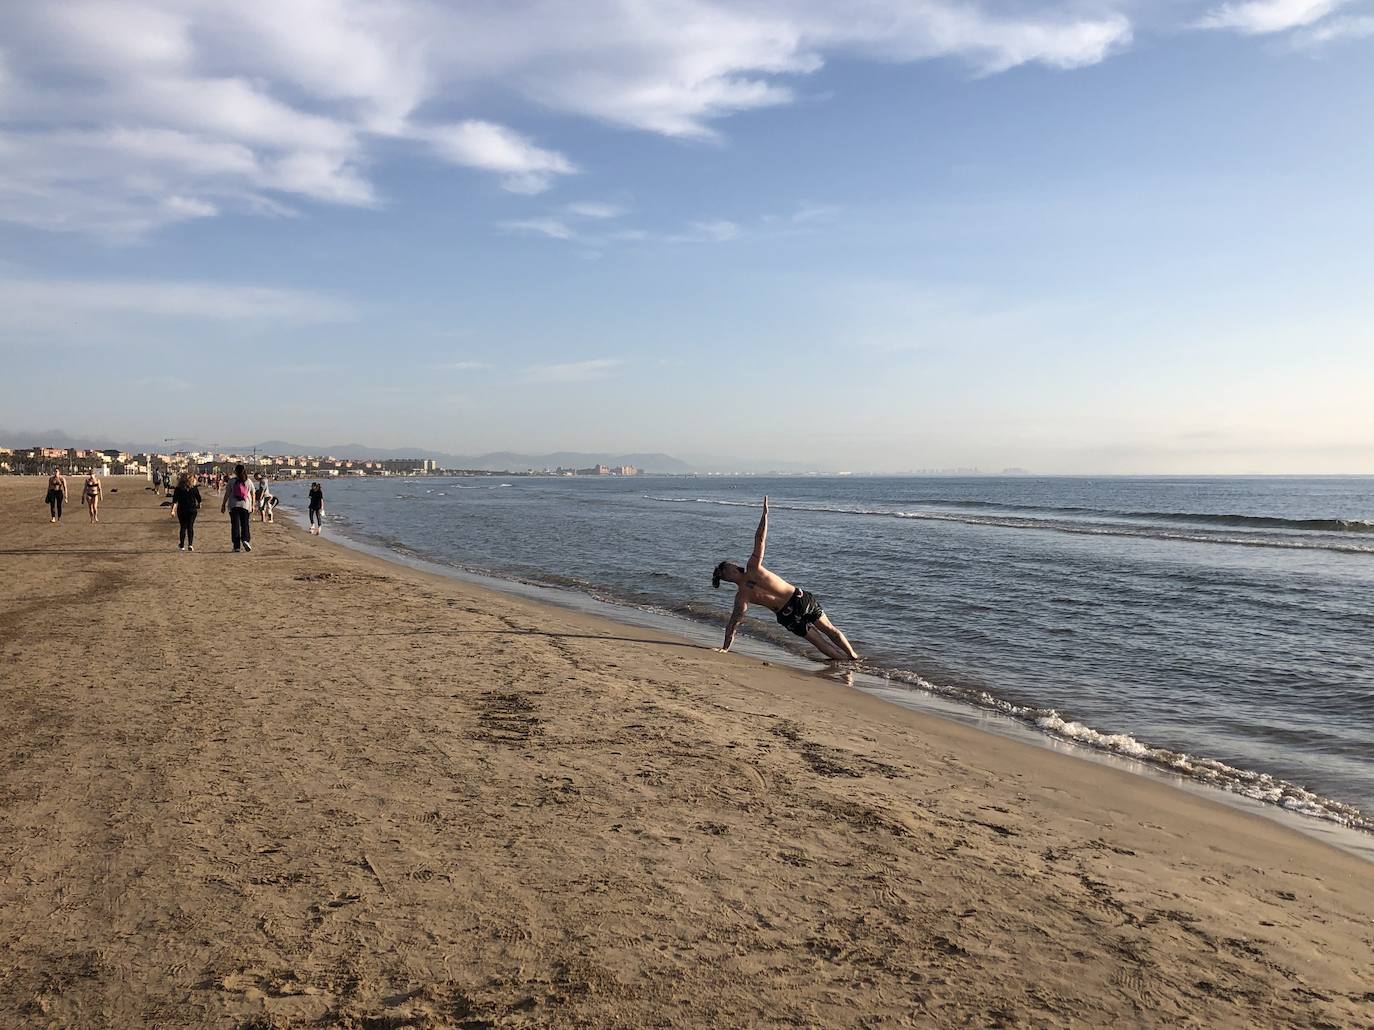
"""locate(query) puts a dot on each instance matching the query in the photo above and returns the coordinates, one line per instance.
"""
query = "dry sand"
(304, 787)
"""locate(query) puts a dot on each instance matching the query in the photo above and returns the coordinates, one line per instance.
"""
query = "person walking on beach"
(57, 493)
(238, 501)
(90, 493)
(264, 495)
(316, 508)
(797, 610)
(186, 502)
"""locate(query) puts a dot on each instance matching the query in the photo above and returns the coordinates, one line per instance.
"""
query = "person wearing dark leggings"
(186, 506)
(316, 508)
(57, 493)
(238, 501)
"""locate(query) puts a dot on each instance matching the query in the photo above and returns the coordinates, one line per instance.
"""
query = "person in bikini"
(91, 494)
(797, 610)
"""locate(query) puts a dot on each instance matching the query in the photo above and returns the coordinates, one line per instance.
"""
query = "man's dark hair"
(719, 571)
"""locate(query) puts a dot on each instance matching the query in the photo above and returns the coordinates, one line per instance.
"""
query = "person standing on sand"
(797, 610)
(264, 490)
(90, 493)
(57, 493)
(316, 508)
(186, 502)
(238, 500)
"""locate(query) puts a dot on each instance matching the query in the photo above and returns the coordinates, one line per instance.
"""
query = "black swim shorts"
(801, 611)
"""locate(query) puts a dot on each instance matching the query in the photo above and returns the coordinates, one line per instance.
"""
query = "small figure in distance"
(797, 610)
(186, 501)
(238, 501)
(264, 497)
(57, 493)
(316, 508)
(90, 493)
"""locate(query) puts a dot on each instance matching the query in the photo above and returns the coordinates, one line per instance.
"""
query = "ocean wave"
(1256, 786)
(1086, 528)
(1330, 524)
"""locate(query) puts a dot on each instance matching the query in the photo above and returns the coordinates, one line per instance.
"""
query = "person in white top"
(263, 492)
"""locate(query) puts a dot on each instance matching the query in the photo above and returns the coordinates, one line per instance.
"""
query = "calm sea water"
(1220, 627)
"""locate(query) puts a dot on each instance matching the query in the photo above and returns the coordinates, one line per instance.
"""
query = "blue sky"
(1088, 237)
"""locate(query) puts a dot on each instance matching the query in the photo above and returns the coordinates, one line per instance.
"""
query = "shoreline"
(898, 692)
(308, 785)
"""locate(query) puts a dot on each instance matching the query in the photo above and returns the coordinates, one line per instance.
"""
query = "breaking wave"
(1287, 537)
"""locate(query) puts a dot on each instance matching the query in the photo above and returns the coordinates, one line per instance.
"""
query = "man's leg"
(832, 631)
(825, 645)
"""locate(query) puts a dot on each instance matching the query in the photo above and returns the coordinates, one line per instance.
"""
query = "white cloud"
(815, 213)
(718, 231)
(111, 107)
(553, 228)
(594, 209)
(39, 303)
(572, 371)
(1336, 29)
(525, 167)
(1261, 17)
(461, 366)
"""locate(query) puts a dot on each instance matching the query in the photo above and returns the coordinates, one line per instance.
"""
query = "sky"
(883, 235)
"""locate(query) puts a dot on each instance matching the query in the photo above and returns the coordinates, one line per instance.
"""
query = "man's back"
(761, 586)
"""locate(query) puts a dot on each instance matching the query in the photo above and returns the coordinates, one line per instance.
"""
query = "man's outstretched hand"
(765, 504)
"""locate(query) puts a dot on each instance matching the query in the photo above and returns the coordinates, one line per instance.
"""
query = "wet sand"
(305, 787)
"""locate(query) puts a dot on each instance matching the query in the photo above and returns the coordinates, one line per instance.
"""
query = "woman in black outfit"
(316, 507)
(185, 506)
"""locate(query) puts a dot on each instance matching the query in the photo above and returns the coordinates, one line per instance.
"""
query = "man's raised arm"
(760, 539)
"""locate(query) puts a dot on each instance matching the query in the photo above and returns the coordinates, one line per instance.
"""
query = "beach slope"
(304, 787)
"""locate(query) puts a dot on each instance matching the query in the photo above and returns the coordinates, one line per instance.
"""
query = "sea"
(1220, 629)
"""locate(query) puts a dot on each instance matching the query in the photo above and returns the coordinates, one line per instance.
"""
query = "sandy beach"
(305, 787)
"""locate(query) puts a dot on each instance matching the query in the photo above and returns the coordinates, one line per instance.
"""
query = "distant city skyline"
(1090, 237)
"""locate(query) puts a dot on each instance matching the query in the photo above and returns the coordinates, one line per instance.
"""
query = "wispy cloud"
(557, 228)
(51, 301)
(460, 366)
(593, 209)
(815, 213)
(718, 231)
(1335, 30)
(1262, 17)
(524, 167)
(572, 371)
(553, 228)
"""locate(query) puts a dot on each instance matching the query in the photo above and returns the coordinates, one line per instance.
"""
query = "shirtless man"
(796, 609)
